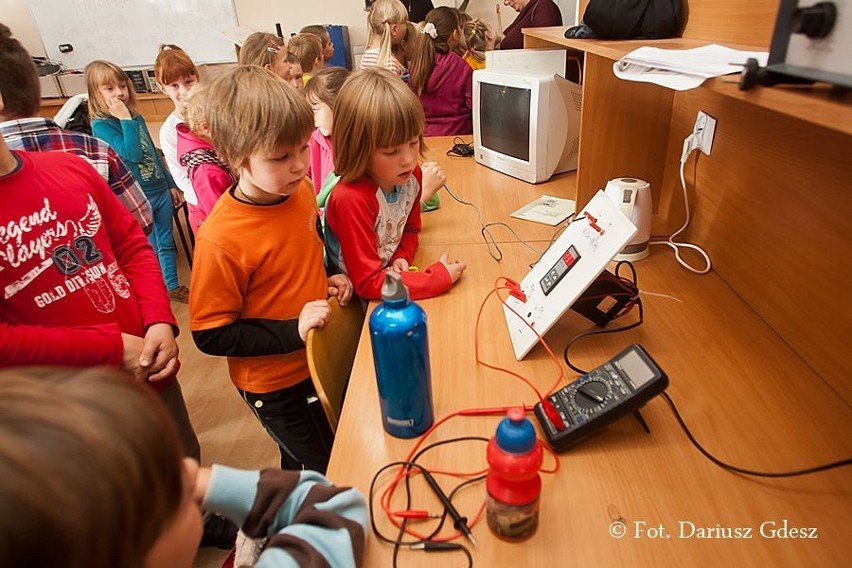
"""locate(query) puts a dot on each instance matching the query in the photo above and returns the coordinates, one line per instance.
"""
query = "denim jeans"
(298, 426)
(161, 237)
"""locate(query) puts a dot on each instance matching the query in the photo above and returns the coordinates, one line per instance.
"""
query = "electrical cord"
(741, 470)
(460, 149)
(493, 248)
(633, 300)
(689, 145)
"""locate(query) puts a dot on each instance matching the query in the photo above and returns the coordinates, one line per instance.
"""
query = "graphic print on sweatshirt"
(393, 215)
(39, 243)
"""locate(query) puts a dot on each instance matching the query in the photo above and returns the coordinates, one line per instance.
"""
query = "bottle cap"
(393, 289)
(515, 434)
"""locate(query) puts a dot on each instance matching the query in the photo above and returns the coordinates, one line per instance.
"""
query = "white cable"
(659, 295)
(689, 145)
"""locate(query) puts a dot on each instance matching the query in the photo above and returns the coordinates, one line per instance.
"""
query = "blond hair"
(99, 73)
(90, 461)
(173, 63)
(382, 15)
(325, 85)
(307, 48)
(374, 109)
(475, 35)
(250, 110)
(260, 49)
(193, 108)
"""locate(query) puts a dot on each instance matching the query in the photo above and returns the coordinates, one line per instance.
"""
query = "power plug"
(704, 130)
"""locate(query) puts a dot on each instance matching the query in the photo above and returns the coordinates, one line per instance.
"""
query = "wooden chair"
(331, 351)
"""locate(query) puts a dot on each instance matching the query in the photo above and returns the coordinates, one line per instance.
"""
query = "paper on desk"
(682, 69)
(546, 209)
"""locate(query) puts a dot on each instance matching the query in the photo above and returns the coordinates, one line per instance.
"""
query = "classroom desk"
(746, 396)
(496, 195)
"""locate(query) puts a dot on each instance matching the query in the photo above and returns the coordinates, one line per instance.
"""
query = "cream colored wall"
(261, 15)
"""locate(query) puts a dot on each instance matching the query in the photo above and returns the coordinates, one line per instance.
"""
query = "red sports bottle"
(513, 482)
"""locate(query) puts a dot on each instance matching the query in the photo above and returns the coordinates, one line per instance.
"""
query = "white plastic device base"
(633, 256)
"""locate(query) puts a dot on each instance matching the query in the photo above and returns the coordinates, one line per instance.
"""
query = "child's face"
(398, 32)
(180, 87)
(280, 66)
(112, 91)
(327, 48)
(323, 117)
(277, 174)
(178, 543)
(392, 166)
(296, 76)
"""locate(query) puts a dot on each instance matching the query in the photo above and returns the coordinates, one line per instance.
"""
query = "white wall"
(262, 15)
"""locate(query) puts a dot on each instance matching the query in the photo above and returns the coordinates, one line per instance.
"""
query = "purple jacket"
(448, 97)
(536, 14)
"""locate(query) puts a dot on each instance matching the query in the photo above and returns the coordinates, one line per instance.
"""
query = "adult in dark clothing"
(417, 9)
(533, 14)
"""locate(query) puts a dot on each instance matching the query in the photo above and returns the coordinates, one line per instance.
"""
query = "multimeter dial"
(591, 395)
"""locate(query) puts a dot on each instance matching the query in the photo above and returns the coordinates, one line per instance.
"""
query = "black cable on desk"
(741, 470)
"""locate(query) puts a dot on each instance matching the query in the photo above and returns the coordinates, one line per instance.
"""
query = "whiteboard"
(129, 32)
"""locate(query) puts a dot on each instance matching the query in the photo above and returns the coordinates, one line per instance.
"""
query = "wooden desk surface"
(495, 194)
(745, 395)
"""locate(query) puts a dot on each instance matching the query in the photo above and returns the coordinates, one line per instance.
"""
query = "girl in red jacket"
(372, 216)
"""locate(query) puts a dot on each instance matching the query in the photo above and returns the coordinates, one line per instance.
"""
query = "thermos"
(401, 357)
(513, 482)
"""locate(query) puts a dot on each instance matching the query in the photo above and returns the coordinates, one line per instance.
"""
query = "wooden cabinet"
(155, 107)
(771, 204)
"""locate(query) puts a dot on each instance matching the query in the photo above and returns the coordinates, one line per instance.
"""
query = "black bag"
(79, 120)
(629, 19)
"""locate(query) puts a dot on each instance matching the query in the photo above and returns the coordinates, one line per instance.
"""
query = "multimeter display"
(619, 386)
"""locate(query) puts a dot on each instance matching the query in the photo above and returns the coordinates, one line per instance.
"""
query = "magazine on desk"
(546, 209)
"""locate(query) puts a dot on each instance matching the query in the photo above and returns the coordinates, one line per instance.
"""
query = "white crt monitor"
(526, 123)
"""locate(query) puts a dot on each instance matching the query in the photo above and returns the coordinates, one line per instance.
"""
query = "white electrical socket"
(705, 129)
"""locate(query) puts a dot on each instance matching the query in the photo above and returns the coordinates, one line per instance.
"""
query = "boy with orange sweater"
(258, 281)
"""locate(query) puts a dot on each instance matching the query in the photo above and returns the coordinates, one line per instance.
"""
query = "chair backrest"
(331, 351)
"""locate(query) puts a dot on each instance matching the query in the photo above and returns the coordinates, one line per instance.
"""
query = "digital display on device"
(505, 120)
(635, 368)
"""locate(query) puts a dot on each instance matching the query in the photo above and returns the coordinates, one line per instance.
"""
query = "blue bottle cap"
(515, 434)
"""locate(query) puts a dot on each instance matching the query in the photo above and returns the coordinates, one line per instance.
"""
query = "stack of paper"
(682, 69)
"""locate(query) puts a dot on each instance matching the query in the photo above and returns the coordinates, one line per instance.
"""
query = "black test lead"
(459, 522)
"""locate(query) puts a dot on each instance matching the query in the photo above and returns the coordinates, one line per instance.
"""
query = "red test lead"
(417, 515)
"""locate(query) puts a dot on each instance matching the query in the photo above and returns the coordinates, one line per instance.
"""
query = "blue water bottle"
(401, 356)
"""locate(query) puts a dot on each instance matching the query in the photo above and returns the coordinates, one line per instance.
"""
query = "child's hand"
(313, 314)
(400, 265)
(340, 286)
(118, 109)
(130, 357)
(177, 197)
(434, 179)
(455, 268)
(160, 352)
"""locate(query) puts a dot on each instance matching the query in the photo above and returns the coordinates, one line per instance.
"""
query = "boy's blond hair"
(193, 108)
(173, 63)
(260, 49)
(251, 111)
(99, 73)
(374, 109)
(308, 48)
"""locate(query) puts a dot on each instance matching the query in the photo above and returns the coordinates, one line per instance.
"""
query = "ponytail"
(434, 36)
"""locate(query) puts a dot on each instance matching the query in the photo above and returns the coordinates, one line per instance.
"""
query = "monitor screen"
(505, 120)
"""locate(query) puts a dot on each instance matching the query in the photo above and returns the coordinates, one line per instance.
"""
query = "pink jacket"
(210, 176)
(322, 159)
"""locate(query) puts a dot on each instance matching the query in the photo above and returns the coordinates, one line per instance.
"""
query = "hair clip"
(430, 30)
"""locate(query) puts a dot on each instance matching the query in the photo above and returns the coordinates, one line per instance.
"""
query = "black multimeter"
(619, 386)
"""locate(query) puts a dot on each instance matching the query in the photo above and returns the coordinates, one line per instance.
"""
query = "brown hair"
(318, 31)
(374, 109)
(173, 63)
(99, 73)
(90, 468)
(251, 111)
(260, 49)
(325, 85)
(382, 15)
(19, 83)
(421, 54)
(308, 48)
(476, 37)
